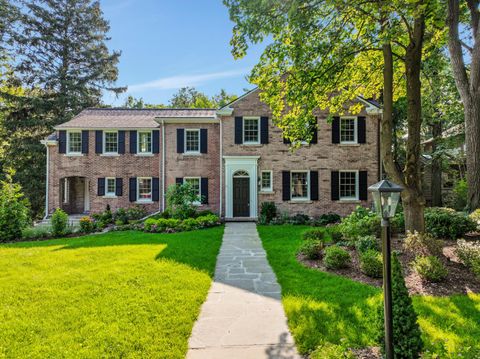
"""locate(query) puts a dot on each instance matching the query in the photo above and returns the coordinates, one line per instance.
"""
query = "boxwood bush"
(160, 225)
(336, 257)
(429, 268)
(469, 255)
(312, 249)
(423, 244)
(371, 263)
(366, 243)
(361, 222)
(314, 234)
(447, 223)
(59, 222)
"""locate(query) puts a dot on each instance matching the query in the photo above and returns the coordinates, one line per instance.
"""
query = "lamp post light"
(386, 196)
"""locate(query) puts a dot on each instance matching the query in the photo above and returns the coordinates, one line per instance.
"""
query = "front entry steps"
(241, 219)
(73, 220)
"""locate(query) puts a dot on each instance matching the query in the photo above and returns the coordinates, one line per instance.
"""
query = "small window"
(195, 183)
(300, 185)
(110, 142)
(192, 141)
(348, 130)
(110, 186)
(74, 142)
(349, 185)
(251, 130)
(266, 181)
(145, 142)
(144, 189)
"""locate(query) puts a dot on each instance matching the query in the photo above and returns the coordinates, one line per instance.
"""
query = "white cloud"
(175, 82)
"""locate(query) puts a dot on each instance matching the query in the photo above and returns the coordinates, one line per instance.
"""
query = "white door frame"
(86, 184)
(232, 165)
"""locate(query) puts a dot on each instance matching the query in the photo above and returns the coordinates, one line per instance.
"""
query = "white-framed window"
(348, 130)
(266, 181)
(300, 185)
(348, 185)
(251, 130)
(144, 189)
(110, 142)
(192, 141)
(144, 142)
(110, 186)
(195, 183)
(74, 142)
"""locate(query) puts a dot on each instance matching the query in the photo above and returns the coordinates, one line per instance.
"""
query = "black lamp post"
(386, 195)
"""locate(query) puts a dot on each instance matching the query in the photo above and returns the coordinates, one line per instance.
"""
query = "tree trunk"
(472, 140)
(436, 188)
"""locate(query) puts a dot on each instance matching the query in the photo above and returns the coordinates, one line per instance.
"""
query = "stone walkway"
(243, 315)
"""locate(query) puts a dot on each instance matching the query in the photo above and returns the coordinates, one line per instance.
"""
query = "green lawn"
(120, 294)
(325, 307)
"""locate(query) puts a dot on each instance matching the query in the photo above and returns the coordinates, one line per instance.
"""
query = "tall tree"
(465, 60)
(189, 97)
(326, 53)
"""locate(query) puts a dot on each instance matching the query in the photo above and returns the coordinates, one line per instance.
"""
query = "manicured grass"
(120, 294)
(324, 307)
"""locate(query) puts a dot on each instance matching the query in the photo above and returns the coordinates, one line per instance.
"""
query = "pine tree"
(407, 341)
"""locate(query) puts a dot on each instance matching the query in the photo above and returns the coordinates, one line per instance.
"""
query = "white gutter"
(163, 166)
(221, 169)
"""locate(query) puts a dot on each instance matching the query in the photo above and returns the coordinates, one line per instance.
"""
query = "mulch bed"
(460, 280)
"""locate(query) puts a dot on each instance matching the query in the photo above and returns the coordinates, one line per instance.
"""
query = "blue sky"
(169, 44)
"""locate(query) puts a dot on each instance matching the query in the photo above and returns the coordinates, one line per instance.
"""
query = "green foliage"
(312, 248)
(209, 220)
(189, 224)
(366, 243)
(361, 222)
(159, 225)
(87, 224)
(447, 223)
(14, 209)
(460, 194)
(59, 222)
(327, 218)
(121, 216)
(407, 340)
(136, 212)
(335, 233)
(189, 97)
(423, 244)
(469, 255)
(331, 351)
(180, 200)
(429, 268)
(299, 219)
(268, 211)
(371, 263)
(336, 257)
(475, 216)
(315, 234)
(36, 232)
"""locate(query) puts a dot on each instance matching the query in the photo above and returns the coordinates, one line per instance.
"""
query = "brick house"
(234, 157)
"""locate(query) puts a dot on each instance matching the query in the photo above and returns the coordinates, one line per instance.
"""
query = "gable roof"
(132, 118)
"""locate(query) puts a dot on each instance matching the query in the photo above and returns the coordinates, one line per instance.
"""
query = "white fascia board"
(188, 119)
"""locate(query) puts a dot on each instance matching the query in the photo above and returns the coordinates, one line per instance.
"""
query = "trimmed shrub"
(371, 263)
(446, 223)
(423, 244)
(202, 213)
(268, 211)
(136, 212)
(475, 216)
(37, 232)
(59, 222)
(407, 340)
(189, 224)
(315, 234)
(120, 216)
(469, 255)
(335, 234)
(312, 249)
(299, 219)
(361, 222)
(336, 257)
(327, 218)
(209, 220)
(14, 209)
(87, 224)
(429, 268)
(366, 243)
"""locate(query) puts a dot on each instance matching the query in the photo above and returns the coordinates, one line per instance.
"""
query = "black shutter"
(314, 185)
(99, 141)
(286, 185)
(204, 190)
(62, 141)
(156, 141)
(361, 130)
(238, 130)
(363, 185)
(133, 141)
(336, 130)
(85, 141)
(121, 142)
(180, 140)
(203, 140)
(264, 130)
(132, 190)
(101, 187)
(119, 187)
(155, 189)
(335, 185)
(179, 180)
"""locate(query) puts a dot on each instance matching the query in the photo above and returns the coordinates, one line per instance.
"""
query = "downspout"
(221, 168)
(163, 166)
(46, 182)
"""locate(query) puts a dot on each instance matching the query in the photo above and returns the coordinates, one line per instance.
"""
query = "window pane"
(195, 183)
(192, 141)
(111, 144)
(348, 183)
(111, 185)
(299, 185)
(145, 142)
(347, 130)
(250, 130)
(144, 188)
(266, 180)
(74, 142)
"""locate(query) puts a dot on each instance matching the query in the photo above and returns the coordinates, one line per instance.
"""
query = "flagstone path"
(243, 315)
